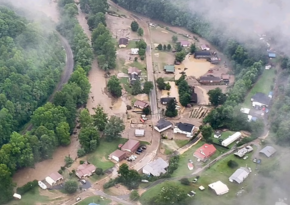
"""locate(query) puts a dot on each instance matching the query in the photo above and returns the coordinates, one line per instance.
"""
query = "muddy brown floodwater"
(173, 92)
(195, 67)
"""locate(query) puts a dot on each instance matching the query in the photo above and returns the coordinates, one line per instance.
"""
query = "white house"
(239, 175)
(219, 188)
(231, 139)
(260, 99)
(184, 128)
(139, 133)
(134, 51)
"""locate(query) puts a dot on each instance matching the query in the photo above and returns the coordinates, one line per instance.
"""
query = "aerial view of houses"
(144, 102)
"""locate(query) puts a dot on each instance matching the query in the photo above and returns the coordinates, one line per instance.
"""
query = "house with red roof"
(204, 152)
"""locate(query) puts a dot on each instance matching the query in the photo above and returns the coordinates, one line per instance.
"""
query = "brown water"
(173, 92)
(195, 67)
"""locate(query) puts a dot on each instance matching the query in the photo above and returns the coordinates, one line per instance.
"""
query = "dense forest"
(31, 63)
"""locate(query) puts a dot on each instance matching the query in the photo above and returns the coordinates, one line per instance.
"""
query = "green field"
(31, 198)
(263, 85)
(140, 65)
(95, 199)
(100, 157)
(181, 143)
(126, 84)
(224, 136)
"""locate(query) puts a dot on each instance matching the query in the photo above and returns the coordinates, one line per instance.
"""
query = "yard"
(263, 85)
(31, 198)
(95, 199)
(181, 143)
(224, 136)
(100, 157)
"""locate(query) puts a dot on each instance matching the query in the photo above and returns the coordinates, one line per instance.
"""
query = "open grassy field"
(263, 85)
(95, 199)
(140, 65)
(181, 143)
(224, 136)
(100, 157)
(126, 84)
(31, 198)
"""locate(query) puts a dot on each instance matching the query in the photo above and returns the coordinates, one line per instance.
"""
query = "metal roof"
(239, 175)
(268, 151)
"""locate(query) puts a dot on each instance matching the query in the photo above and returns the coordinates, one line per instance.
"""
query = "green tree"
(147, 87)
(178, 47)
(70, 186)
(185, 181)
(134, 26)
(192, 48)
(114, 128)
(216, 97)
(206, 132)
(81, 152)
(99, 171)
(94, 20)
(100, 118)
(159, 47)
(179, 56)
(174, 39)
(136, 87)
(85, 118)
(68, 161)
(140, 31)
(134, 195)
(6, 185)
(184, 99)
(164, 47)
(114, 86)
(161, 83)
(89, 138)
(170, 193)
(171, 109)
(180, 79)
(130, 178)
(167, 86)
(232, 164)
(63, 134)
(168, 47)
(146, 110)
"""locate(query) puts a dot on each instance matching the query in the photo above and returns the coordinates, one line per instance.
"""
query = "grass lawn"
(147, 196)
(120, 65)
(31, 198)
(95, 199)
(100, 157)
(181, 143)
(131, 44)
(140, 65)
(262, 85)
(126, 84)
(224, 136)
(182, 165)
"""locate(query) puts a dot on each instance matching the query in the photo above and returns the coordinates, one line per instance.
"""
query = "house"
(219, 188)
(217, 134)
(85, 170)
(184, 43)
(133, 70)
(169, 68)
(225, 78)
(165, 100)
(243, 151)
(204, 152)
(209, 79)
(202, 54)
(184, 128)
(204, 47)
(240, 175)
(162, 125)
(118, 155)
(231, 139)
(123, 42)
(156, 168)
(131, 146)
(139, 133)
(53, 178)
(260, 99)
(272, 55)
(268, 151)
(134, 51)
(140, 104)
(133, 78)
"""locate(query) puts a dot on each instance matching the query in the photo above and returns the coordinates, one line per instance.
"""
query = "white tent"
(17, 196)
(231, 139)
(219, 188)
(50, 181)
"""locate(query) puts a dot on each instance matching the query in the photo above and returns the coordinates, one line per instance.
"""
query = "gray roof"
(268, 151)
(261, 98)
(209, 78)
(156, 167)
(186, 127)
(239, 175)
(162, 124)
(165, 100)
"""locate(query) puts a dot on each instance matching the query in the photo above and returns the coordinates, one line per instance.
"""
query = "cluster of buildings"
(125, 150)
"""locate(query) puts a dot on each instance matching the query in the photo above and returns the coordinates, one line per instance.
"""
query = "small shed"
(118, 155)
(239, 175)
(139, 132)
(17, 196)
(134, 51)
(219, 188)
(123, 42)
(268, 151)
(272, 55)
(169, 68)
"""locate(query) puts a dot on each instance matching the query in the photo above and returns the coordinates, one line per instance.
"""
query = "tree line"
(53, 122)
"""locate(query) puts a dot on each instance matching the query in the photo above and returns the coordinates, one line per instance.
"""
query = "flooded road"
(195, 67)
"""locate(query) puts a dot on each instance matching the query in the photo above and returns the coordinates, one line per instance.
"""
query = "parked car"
(195, 180)
(191, 194)
(144, 147)
(139, 150)
(138, 153)
(83, 181)
(78, 199)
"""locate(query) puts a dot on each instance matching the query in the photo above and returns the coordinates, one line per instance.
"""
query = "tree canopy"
(114, 128)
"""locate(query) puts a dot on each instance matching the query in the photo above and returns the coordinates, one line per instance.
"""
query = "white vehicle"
(83, 181)
(246, 157)
(78, 199)
(250, 170)
(42, 185)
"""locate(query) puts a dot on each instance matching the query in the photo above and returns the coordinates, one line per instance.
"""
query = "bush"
(109, 184)
(27, 187)
(99, 171)
(134, 196)
(232, 164)
(60, 171)
(82, 161)
(68, 161)
(81, 152)
(185, 181)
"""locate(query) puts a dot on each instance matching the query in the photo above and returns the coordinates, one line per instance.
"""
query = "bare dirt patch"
(119, 190)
